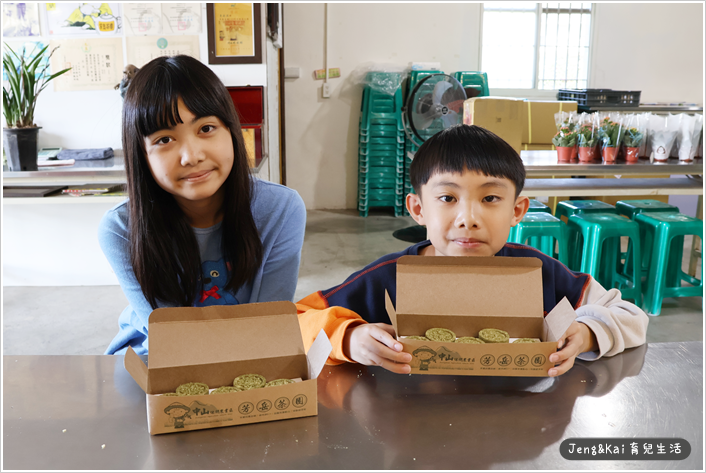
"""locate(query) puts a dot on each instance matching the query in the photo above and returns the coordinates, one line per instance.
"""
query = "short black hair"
(466, 147)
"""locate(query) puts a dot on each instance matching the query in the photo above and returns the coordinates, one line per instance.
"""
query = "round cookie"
(469, 340)
(493, 335)
(525, 340)
(249, 381)
(279, 382)
(440, 335)
(226, 389)
(192, 389)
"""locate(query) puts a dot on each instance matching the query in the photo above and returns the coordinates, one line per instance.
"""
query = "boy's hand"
(577, 339)
(374, 344)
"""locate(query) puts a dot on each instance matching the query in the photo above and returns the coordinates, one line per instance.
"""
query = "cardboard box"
(538, 125)
(537, 147)
(466, 295)
(214, 345)
(501, 115)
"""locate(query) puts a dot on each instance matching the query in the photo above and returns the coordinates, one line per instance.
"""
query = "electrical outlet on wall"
(325, 91)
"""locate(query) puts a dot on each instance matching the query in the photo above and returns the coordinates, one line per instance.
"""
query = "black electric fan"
(435, 103)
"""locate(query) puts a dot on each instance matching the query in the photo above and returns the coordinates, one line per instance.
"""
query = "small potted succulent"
(587, 143)
(632, 140)
(565, 142)
(611, 135)
(26, 80)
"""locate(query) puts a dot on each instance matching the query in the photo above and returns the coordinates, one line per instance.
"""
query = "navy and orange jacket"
(360, 299)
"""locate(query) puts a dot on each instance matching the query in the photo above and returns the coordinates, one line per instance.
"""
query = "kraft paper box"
(467, 294)
(538, 125)
(501, 115)
(214, 345)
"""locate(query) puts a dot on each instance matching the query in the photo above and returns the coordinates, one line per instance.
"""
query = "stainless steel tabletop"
(544, 163)
(368, 418)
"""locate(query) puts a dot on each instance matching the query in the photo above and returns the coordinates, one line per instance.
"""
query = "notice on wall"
(96, 63)
(181, 18)
(142, 18)
(90, 19)
(142, 49)
(235, 25)
(20, 19)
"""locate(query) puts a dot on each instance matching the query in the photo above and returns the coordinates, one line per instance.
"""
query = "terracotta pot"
(575, 152)
(564, 153)
(609, 153)
(632, 154)
(587, 153)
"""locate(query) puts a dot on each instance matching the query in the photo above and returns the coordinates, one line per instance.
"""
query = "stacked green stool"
(381, 147)
(568, 208)
(631, 208)
(542, 229)
(473, 81)
(664, 228)
(598, 228)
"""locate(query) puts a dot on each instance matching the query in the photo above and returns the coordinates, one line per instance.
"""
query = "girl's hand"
(375, 345)
(577, 339)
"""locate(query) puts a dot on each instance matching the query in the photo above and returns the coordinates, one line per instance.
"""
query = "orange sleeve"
(315, 314)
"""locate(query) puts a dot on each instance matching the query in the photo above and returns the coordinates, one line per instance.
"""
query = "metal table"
(368, 418)
(544, 163)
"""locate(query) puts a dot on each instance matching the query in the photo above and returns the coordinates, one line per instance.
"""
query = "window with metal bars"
(543, 46)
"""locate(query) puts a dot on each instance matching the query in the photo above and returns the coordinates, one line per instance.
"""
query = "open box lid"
(470, 285)
(180, 336)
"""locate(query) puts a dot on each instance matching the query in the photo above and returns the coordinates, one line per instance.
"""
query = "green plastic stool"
(537, 206)
(630, 208)
(664, 228)
(478, 81)
(567, 208)
(542, 228)
(607, 228)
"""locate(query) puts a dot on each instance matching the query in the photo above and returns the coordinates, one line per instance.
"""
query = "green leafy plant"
(587, 136)
(26, 83)
(632, 138)
(565, 137)
(611, 133)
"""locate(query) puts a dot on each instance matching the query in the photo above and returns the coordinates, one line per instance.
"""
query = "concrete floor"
(83, 320)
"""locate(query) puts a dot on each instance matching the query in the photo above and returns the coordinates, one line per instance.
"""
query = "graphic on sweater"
(214, 276)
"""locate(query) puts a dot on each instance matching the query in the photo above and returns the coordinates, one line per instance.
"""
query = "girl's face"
(192, 160)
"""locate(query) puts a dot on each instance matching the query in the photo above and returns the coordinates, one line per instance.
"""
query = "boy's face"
(467, 214)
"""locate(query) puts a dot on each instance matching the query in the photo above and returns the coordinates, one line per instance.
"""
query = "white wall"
(322, 134)
(653, 47)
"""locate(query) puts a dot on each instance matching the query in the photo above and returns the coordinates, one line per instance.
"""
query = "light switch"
(292, 72)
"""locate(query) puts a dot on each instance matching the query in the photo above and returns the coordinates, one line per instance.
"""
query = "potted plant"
(587, 141)
(632, 140)
(565, 142)
(567, 120)
(26, 81)
(611, 135)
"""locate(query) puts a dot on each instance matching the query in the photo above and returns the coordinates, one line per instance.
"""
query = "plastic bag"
(642, 122)
(663, 134)
(611, 130)
(566, 119)
(587, 130)
(633, 137)
(688, 137)
(385, 83)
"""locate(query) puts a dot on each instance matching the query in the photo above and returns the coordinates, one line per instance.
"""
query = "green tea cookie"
(493, 335)
(526, 340)
(279, 382)
(440, 335)
(170, 394)
(469, 340)
(192, 389)
(226, 389)
(416, 337)
(249, 381)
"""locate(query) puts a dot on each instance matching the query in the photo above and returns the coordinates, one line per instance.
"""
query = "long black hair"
(163, 248)
(466, 147)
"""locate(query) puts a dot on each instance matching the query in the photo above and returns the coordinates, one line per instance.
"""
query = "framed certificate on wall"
(234, 33)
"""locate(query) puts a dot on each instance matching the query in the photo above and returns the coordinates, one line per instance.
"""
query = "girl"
(197, 229)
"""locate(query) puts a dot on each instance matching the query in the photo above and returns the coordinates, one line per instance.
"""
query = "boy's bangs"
(159, 110)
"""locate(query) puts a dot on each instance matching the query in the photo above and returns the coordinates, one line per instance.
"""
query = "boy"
(467, 182)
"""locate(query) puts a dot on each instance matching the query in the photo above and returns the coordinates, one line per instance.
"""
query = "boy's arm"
(617, 324)
(314, 315)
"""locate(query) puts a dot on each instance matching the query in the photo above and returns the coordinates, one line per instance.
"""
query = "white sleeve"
(617, 324)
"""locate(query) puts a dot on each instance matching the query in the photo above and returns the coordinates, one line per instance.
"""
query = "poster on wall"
(142, 49)
(20, 19)
(142, 18)
(234, 33)
(181, 18)
(90, 19)
(96, 64)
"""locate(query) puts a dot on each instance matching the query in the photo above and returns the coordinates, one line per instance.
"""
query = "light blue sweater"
(280, 217)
